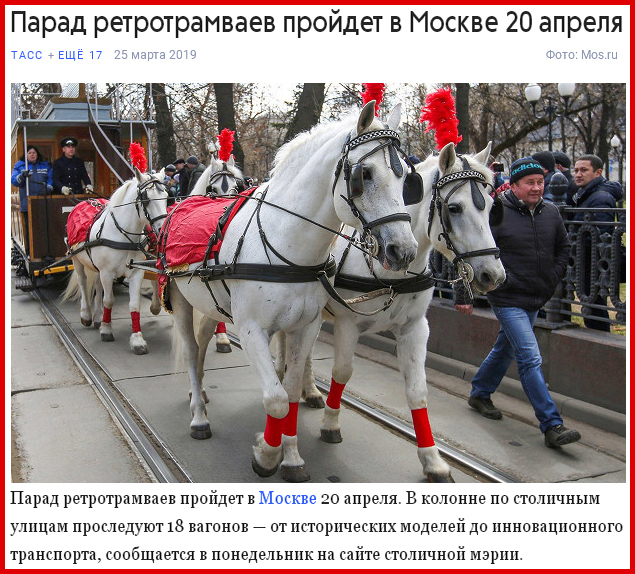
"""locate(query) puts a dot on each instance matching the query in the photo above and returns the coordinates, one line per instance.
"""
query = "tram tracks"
(166, 467)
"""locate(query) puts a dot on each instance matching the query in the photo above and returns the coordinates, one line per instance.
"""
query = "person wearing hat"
(171, 185)
(181, 176)
(69, 171)
(548, 163)
(194, 170)
(534, 248)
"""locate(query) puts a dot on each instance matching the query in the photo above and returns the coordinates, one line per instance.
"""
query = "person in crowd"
(496, 168)
(534, 249)
(180, 176)
(32, 176)
(171, 185)
(194, 170)
(548, 163)
(69, 171)
(594, 191)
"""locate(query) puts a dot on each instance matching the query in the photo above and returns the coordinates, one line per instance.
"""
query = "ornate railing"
(597, 267)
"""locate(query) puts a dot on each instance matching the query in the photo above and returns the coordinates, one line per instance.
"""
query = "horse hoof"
(155, 311)
(440, 478)
(140, 350)
(107, 337)
(332, 436)
(86, 322)
(223, 348)
(314, 402)
(97, 324)
(261, 470)
(295, 473)
(201, 432)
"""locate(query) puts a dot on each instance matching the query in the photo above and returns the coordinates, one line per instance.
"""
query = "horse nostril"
(486, 279)
(398, 255)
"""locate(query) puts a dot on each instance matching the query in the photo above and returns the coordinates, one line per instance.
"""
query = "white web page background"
(286, 58)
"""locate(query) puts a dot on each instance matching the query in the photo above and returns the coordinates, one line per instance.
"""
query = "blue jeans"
(516, 340)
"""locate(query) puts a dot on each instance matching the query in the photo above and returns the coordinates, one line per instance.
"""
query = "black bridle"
(225, 174)
(143, 200)
(353, 176)
(440, 205)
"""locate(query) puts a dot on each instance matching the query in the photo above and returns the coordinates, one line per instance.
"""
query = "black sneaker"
(559, 435)
(485, 407)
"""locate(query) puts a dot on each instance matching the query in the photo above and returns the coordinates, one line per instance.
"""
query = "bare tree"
(308, 110)
(166, 145)
(227, 116)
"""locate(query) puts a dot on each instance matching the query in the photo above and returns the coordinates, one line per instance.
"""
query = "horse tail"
(178, 355)
(72, 291)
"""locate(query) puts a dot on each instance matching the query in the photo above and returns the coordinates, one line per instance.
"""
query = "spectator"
(180, 177)
(534, 250)
(194, 170)
(32, 176)
(594, 191)
(69, 171)
(171, 185)
(548, 163)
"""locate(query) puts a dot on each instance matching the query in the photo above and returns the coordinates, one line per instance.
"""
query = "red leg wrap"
(273, 430)
(422, 427)
(220, 328)
(291, 421)
(136, 324)
(335, 394)
(107, 315)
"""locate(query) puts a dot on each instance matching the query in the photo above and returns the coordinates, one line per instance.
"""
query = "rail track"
(166, 466)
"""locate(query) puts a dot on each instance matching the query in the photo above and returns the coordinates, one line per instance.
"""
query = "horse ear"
(161, 174)
(231, 161)
(483, 156)
(447, 157)
(394, 119)
(366, 117)
(137, 174)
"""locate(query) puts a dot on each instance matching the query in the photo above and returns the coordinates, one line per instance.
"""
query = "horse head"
(219, 179)
(151, 198)
(369, 196)
(457, 214)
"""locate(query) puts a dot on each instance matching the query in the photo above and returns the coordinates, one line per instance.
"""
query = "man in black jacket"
(534, 250)
(69, 171)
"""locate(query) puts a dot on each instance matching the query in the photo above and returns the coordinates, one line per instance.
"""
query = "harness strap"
(415, 284)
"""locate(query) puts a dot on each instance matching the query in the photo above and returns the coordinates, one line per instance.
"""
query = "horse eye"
(367, 173)
(455, 208)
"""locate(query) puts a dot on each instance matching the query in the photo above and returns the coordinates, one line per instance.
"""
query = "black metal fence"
(596, 275)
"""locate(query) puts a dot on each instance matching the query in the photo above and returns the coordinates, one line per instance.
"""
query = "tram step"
(24, 283)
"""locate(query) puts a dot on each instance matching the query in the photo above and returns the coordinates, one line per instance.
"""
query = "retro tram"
(103, 133)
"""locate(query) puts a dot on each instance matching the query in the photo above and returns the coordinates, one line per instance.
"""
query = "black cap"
(170, 167)
(192, 159)
(180, 160)
(68, 141)
(522, 167)
(545, 159)
(562, 158)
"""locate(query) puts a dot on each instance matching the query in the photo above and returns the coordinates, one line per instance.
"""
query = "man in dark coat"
(194, 171)
(594, 191)
(69, 172)
(534, 249)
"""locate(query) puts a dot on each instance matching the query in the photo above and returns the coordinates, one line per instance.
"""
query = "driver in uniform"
(69, 172)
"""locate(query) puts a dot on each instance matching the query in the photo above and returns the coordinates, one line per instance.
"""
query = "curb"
(599, 417)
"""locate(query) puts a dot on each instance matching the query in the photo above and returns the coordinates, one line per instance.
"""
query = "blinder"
(412, 188)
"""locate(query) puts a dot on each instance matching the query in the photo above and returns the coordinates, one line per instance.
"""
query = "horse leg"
(137, 342)
(84, 305)
(105, 330)
(267, 453)
(155, 303)
(411, 354)
(299, 347)
(205, 333)
(222, 341)
(279, 342)
(310, 393)
(98, 301)
(182, 312)
(346, 336)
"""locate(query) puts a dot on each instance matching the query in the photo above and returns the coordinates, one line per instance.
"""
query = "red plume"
(226, 142)
(373, 92)
(138, 157)
(440, 113)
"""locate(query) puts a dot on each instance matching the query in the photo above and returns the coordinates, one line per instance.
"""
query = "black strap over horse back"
(415, 284)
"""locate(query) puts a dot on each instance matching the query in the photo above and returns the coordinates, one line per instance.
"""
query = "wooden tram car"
(102, 138)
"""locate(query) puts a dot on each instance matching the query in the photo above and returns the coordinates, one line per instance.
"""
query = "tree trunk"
(226, 117)
(166, 144)
(463, 115)
(309, 110)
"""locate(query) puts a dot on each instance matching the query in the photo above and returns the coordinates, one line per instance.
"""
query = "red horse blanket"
(81, 218)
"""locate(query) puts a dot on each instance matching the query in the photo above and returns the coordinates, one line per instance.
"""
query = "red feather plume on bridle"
(226, 143)
(373, 92)
(440, 113)
(138, 157)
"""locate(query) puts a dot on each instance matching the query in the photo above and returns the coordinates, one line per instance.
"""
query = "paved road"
(62, 433)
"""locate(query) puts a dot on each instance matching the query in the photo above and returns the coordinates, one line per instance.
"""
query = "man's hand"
(464, 309)
(66, 190)
(89, 188)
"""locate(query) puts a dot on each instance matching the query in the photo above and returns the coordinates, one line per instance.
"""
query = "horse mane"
(289, 156)
(117, 198)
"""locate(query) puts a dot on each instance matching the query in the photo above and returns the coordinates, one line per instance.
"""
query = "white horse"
(287, 230)
(220, 179)
(116, 237)
(454, 219)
